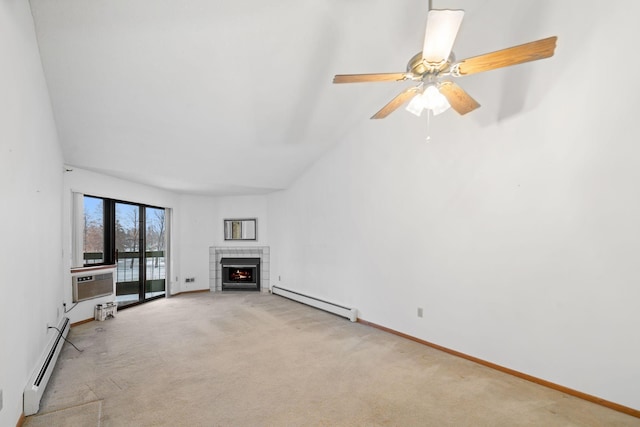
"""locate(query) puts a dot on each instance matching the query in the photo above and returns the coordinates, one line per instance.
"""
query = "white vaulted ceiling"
(235, 97)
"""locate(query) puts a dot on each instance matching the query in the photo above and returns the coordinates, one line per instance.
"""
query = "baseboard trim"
(21, 420)
(594, 399)
(190, 292)
(80, 322)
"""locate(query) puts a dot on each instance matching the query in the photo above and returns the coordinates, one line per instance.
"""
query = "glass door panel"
(155, 273)
(128, 243)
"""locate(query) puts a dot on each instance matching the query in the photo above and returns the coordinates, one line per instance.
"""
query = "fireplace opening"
(240, 274)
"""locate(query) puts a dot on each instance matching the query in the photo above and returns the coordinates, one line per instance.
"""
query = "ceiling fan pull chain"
(428, 139)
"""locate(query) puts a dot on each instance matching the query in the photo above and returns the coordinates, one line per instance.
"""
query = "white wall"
(234, 207)
(196, 232)
(31, 215)
(515, 229)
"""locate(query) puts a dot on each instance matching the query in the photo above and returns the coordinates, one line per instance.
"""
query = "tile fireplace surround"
(216, 253)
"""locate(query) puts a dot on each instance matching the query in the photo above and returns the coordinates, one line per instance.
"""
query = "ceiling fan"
(434, 67)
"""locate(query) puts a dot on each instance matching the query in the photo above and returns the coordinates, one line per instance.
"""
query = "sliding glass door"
(155, 273)
(140, 260)
(128, 256)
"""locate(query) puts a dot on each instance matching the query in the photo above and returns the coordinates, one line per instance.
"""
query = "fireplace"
(240, 274)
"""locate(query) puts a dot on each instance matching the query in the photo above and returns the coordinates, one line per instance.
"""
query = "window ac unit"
(90, 286)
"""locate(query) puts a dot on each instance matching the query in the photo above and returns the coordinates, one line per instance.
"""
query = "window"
(93, 236)
(133, 237)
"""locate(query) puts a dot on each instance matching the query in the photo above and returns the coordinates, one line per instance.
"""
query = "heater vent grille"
(38, 382)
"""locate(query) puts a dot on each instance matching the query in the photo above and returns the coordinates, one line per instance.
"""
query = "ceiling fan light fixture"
(430, 99)
(416, 105)
(435, 101)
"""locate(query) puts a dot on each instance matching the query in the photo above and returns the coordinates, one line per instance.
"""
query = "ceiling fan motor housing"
(419, 67)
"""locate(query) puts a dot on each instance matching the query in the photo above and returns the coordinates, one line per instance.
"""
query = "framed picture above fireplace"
(240, 229)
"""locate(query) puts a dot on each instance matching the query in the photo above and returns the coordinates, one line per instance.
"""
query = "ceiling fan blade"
(379, 77)
(532, 51)
(395, 103)
(459, 100)
(441, 32)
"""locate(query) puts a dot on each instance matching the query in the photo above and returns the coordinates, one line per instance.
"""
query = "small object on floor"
(105, 311)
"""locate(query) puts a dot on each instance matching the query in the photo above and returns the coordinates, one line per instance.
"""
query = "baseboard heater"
(340, 310)
(38, 381)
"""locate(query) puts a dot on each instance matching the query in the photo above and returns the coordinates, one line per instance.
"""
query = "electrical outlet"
(419, 311)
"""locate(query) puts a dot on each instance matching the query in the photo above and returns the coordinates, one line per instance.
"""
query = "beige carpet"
(85, 415)
(249, 359)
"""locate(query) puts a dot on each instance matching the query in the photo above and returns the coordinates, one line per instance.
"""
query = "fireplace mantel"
(216, 253)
